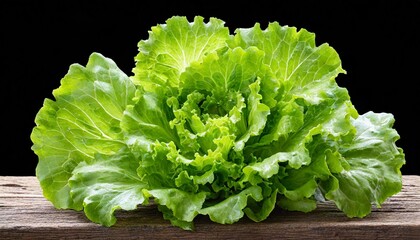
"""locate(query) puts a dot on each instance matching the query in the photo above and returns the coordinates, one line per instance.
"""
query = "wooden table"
(25, 214)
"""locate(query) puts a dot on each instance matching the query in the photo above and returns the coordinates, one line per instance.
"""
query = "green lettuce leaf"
(235, 204)
(172, 47)
(83, 120)
(374, 163)
(107, 183)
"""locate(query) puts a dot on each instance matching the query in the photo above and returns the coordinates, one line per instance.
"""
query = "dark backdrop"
(378, 44)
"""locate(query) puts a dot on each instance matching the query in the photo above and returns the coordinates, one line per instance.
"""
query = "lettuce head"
(214, 123)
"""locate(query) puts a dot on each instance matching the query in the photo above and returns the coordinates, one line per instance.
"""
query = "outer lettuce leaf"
(106, 184)
(84, 120)
(375, 162)
(304, 69)
(172, 47)
(184, 205)
(235, 204)
(259, 211)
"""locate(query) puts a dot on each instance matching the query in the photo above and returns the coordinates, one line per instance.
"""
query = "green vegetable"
(214, 123)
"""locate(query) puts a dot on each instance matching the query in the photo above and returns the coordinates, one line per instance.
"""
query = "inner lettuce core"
(217, 124)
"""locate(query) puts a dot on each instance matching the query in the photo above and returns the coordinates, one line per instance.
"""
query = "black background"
(378, 43)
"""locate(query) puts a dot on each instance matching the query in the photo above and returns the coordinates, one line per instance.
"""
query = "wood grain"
(26, 214)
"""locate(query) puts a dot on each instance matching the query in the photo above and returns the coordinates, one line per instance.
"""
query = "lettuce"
(217, 124)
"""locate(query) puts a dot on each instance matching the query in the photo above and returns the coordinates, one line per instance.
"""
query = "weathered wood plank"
(26, 214)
